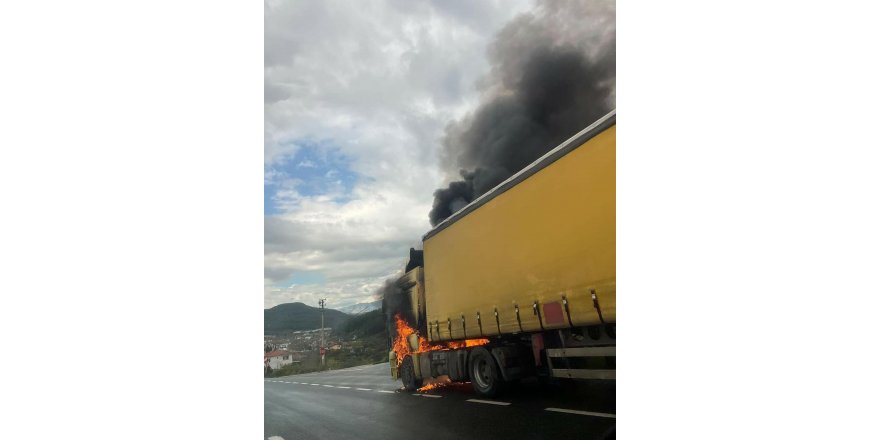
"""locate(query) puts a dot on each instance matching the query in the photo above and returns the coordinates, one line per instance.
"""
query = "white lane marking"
(276, 437)
(363, 389)
(583, 413)
(328, 386)
(343, 387)
(428, 395)
(386, 391)
(314, 384)
(490, 402)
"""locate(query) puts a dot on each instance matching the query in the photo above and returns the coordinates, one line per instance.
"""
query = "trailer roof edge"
(542, 162)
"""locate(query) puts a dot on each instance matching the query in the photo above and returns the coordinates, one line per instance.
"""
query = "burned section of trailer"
(522, 281)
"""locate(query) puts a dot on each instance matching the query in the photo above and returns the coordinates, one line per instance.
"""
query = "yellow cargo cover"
(540, 246)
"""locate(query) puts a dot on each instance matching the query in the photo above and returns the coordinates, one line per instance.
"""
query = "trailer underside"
(583, 353)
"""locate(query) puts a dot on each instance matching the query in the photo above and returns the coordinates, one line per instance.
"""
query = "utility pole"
(321, 303)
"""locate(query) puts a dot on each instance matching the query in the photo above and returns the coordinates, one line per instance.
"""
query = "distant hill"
(365, 324)
(357, 309)
(298, 316)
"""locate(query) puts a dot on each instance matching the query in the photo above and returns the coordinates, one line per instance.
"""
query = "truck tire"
(484, 373)
(408, 375)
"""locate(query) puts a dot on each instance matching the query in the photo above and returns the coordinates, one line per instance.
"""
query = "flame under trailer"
(530, 268)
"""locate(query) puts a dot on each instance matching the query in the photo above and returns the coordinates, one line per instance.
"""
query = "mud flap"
(392, 362)
(510, 362)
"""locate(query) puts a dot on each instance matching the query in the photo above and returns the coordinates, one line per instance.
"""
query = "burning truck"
(518, 283)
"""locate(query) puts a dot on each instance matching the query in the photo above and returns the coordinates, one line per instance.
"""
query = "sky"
(357, 104)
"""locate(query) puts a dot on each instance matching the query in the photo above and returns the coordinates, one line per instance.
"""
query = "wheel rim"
(482, 373)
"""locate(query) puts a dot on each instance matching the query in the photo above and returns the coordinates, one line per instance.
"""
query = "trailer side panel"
(549, 237)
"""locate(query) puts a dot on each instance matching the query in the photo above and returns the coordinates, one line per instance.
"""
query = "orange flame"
(402, 348)
(433, 383)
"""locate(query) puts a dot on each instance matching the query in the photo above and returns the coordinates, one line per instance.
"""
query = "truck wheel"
(408, 375)
(485, 375)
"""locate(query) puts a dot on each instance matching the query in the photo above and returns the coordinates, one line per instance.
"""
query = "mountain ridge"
(295, 316)
(357, 309)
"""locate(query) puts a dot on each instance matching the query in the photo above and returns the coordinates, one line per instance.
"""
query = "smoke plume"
(394, 301)
(553, 73)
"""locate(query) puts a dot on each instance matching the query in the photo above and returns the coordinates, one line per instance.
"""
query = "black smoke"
(552, 75)
(395, 297)
(394, 301)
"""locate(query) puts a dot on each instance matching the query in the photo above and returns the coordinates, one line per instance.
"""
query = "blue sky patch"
(317, 168)
(306, 278)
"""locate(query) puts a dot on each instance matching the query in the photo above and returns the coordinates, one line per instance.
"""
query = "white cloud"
(379, 82)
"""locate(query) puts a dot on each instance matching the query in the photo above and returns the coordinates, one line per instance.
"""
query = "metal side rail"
(581, 373)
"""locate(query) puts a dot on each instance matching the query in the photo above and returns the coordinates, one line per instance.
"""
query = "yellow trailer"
(521, 281)
(531, 254)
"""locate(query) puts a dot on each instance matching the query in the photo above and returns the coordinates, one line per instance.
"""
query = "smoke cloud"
(553, 73)
(394, 301)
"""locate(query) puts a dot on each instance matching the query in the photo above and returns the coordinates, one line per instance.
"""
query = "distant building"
(277, 359)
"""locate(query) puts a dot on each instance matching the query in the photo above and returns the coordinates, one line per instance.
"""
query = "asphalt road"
(365, 403)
